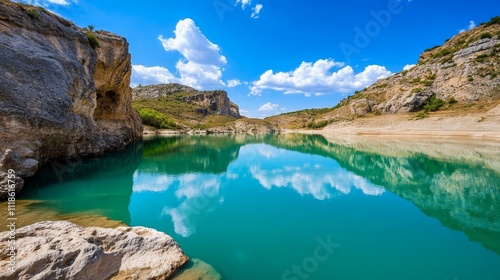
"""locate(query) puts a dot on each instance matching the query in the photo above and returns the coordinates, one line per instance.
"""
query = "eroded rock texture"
(63, 250)
(59, 97)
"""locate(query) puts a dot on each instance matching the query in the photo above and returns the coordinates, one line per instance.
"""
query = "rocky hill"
(64, 92)
(176, 106)
(458, 78)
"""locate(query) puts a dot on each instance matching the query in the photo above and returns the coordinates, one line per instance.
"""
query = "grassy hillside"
(176, 114)
(168, 109)
(460, 77)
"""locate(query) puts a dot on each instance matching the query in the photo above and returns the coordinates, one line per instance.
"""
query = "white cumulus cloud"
(243, 3)
(46, 3)
(233, 83)
(268, 107)
(59, 2)
(471, 25)
(152, 75)
(256, 11)
(193, 45)
(408, 67)
(199, 76)
(319, 79)
(200, 66)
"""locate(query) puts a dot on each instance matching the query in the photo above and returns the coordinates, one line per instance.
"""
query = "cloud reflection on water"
(191, 196)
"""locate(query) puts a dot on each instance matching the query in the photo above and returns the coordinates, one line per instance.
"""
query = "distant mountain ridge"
(179, 107)
(215, 101)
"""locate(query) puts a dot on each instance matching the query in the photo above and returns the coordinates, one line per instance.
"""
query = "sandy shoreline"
(366, 131)
(484, 126)
(402, 133)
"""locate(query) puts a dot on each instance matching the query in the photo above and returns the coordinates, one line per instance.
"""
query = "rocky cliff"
(459, 78)
(209, 102)
(464, 69)
(64, 91)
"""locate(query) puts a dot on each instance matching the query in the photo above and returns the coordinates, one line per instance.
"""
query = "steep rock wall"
(59, 97)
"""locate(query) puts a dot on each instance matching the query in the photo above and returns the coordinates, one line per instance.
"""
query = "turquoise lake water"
(299, 206)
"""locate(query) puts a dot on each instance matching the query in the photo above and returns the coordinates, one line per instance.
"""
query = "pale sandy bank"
(485, 125)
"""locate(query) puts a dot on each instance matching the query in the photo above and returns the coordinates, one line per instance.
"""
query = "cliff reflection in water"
(455, 183)
(100, 185)
(175, 183)
(192, 172)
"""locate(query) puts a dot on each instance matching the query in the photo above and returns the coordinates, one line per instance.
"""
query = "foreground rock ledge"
(63, 250)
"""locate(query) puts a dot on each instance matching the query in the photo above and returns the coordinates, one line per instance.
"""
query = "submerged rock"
(197, 269)
(63, 250)
(60, 96)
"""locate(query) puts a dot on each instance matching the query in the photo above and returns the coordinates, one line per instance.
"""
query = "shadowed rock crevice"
(106, 105)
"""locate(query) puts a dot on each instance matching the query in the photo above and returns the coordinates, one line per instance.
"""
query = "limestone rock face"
(462, 75)
(361, 106)
(59, 97)
(63, 250)
(215, 101)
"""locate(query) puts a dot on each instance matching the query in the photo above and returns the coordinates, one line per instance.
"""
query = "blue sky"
(275, 56)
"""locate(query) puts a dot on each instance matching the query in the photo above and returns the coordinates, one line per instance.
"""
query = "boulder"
(63, 250)
(361, 106)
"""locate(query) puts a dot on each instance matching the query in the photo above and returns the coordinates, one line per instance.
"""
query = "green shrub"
(431, 76)
(94, 43)
(421, 115)
(451, 100)
(416, 90)
(430, 49)
(427, 83)
(485, 35)
(319, 124)
(480, 58)
(32, 13)
(156, 119)
(339, 105)
(433, 104)
(494, 20)
(442, 52)
(383, 85)
(200, 126)
(447, 60)
(415, 81)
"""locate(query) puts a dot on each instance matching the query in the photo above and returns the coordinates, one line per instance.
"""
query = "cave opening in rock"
(106, 104)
